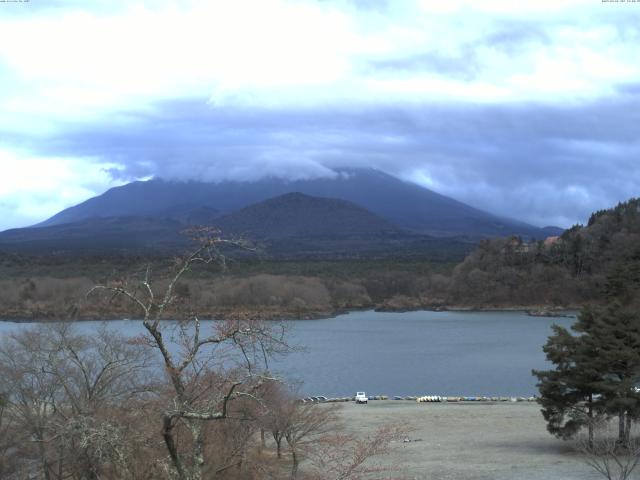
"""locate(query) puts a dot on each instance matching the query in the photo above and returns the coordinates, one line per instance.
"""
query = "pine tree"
(613, 334)
(596, 371)
(567, 393)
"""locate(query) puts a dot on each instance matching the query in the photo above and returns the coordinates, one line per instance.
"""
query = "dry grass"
(504, 441)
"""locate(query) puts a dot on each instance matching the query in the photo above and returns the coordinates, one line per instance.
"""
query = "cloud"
(523, 109)
(33, 188)
(79, 62)
(540, 163)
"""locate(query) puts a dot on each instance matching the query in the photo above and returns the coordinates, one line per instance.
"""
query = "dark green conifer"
(567, 392)
(596, 370)
(613, 334)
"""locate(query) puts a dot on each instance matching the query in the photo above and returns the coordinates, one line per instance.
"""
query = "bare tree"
(316, 440)
(102, 376)
(299, 424)
(607, 455)
(31, 396)
(339, 456)
(276, 414)
(65, 394)
(205, 371)
(308, 426)
(7, 446)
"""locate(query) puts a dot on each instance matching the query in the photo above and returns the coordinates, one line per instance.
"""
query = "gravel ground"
(464, 441)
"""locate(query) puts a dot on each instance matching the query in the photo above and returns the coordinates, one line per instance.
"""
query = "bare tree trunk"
(627, 431)
(241, 463)
(263, 442)
(167, 435)
(60, 457)
(621, 427)
(45, 469)
(590, 426)
(198, 450)
(43, 458)
(294, 465)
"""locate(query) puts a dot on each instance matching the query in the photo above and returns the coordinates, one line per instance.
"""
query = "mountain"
(406, 205)
(188, 214)
(299, 215)
(98, 234)
(293, 225)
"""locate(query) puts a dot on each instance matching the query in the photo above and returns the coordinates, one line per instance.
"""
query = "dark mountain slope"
(293, 225)
(404, 204)
(189, 214)
(98, 234)
(299, 215)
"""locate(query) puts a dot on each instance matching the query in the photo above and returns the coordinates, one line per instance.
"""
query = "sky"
(527, 109)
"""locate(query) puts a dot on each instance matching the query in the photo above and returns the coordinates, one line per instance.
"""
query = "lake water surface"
(409, 353)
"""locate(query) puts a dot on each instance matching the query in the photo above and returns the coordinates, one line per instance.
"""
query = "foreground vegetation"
(179, 402)
(101, 406)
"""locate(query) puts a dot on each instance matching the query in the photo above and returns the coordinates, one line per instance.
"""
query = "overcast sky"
(526, 109)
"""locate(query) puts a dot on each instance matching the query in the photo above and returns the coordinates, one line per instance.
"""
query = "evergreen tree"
(567, 392)
(596, 371)
(613, 334)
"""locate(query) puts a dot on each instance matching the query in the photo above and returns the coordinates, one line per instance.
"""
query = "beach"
(470, 441)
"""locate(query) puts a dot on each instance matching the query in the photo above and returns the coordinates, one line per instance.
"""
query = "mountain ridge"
(293, 225)
(407, 205)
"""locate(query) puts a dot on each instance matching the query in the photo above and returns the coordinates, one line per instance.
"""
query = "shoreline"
(530, 310)
(448, 399)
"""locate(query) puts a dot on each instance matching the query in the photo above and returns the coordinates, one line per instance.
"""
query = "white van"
(361, 397)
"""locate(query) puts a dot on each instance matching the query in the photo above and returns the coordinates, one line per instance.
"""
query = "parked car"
(361, 397)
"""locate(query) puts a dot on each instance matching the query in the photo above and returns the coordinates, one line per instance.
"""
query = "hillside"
(98, 234)
(406, 205)
(298, 215)
(569, 270)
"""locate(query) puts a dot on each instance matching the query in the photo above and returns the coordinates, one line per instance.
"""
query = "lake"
(408, 353)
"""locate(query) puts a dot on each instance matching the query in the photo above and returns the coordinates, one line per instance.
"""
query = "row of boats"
(438, 398)
(421, 399)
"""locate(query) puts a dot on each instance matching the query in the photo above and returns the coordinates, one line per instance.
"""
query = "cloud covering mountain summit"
(530, 110)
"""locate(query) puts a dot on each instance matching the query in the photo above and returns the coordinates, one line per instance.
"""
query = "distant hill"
(295, 225)
(304, 216)
(569, 270)
(406, 205)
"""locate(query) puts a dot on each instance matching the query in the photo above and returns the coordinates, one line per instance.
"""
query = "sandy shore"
(479, 441)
